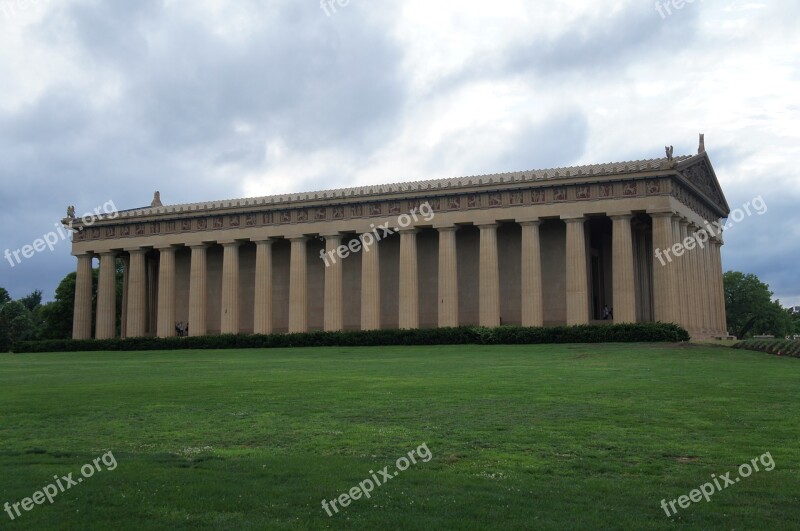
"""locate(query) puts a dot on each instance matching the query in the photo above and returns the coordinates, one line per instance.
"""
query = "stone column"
(709, 302)
(664, 268)
(409, 280)
(719, 273)
(123, 323)
(686, 284)
(298, 286)
(198, 291)
(82, 313)
(681, 312)
(137, 295)
(166, 292)
(531, 282)
(697, 254)
(577, 272)
(371, 287)
(262, 312)
(107, 297)
(623, 283)
(230, 287)
(334, 311)
(448, 277)
(489, 280)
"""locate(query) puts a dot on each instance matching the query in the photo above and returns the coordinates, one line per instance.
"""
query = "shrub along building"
(533, 248)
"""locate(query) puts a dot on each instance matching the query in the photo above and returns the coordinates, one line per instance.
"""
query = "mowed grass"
(522, 437)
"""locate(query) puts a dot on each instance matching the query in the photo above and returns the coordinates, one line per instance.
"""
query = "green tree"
(750, 309)
(4, 296)
(32, 301)
(57, 315)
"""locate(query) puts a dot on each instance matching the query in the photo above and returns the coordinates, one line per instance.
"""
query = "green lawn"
(544, 437)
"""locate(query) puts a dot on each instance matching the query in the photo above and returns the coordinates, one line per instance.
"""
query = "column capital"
(573, 218)
(230, 243)
(446, 228)
(334, 234)
(263, 241)
(136, 250)
(409, 230)
(300, 238)
(108, 253)
(84, 254)
(198, 246)
(684, 222)
(620, 215)
(487, 226)
(165, 248)
(661, 213)
(529, 222)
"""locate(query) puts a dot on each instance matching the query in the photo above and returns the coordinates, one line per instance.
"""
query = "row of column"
(688, 287)
(687, 291)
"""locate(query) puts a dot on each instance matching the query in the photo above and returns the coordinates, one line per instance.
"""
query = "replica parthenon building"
(529, 248)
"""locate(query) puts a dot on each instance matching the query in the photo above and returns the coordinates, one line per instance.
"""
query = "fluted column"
(531, 282)
(298, 286)
(708, 280)
(489, 281)
(333, 311)
(448, 277)
(230, 287)
(624, 288)
(166, 292)
(262, 312)
(107, 297)
(577, 273)
(409, 280)
(82, 313)
(697, 261)
(663, 269)
(719, 272)
(685, 281)
(681, 312)
(371, 287)
(198, 291)
(126, 274)
(137, 295)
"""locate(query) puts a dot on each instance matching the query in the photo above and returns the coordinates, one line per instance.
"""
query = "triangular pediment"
(700, 174)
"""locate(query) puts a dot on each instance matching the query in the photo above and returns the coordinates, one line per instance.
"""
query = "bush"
(781, 347)
(469, 335)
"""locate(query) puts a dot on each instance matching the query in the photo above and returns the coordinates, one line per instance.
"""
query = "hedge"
(469, 335)
(780, 347)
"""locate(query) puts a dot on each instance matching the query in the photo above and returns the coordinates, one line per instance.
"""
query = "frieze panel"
(582, 193)
(560, 194)
(630, 188)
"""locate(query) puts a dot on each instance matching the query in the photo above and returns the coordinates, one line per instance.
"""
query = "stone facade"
(528, 248)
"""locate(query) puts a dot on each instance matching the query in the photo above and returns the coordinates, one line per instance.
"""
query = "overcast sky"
(204, 100)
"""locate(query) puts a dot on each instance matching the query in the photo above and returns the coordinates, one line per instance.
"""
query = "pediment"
(700, 174)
